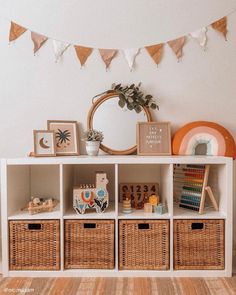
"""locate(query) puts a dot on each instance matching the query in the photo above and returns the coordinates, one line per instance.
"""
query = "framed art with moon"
(44, 143)
(66, 134)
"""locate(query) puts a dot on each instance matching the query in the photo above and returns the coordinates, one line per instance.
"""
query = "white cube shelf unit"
(22, 178)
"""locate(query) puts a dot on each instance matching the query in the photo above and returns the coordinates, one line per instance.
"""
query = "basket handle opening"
(143, 226)
(197, 225)
(89, 225)
(34, 226)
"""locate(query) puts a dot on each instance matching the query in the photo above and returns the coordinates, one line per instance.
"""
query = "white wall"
(34, 89)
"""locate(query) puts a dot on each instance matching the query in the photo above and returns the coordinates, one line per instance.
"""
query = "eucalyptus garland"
(133, 98)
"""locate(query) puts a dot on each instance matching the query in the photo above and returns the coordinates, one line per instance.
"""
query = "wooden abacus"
(190, 187)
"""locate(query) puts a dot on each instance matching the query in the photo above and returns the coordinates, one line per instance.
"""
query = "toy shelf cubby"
(55, 177)
(218, 182)
(147, 173)
(74, 175)
(24, 181)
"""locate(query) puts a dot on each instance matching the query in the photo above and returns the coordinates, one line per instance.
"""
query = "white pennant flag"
(59, 48)
(201, 36)
(130, 55)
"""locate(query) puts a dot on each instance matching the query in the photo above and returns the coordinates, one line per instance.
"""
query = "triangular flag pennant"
(82, 53)
(130, 56)
(221, 26)
(177, 46)
(59, 48)
(155, 52)
(201, 36)
(38, 40)
(15, 31)
(107, 55)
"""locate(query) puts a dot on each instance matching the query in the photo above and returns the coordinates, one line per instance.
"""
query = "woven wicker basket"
(34, 245)
(89, 244)
(199, 244)
(144, 244)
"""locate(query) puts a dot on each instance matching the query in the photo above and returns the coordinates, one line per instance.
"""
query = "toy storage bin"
(199, 244)
(34, 245)
(144, 244)
(89, 244)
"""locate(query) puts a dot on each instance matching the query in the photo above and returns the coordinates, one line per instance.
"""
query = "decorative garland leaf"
(138, 109)
(130, 107)
(121, 103)
(153, 106)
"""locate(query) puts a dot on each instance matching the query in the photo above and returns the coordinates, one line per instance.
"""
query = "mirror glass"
(117, 124)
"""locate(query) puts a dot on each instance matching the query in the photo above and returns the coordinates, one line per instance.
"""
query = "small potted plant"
(93, 138)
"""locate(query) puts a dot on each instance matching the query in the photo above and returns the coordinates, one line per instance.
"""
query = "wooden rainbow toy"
(218, 140)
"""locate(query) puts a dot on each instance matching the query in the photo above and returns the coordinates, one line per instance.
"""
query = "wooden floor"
(119, 286)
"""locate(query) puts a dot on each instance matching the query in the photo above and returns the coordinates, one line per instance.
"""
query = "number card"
(138, 192)
(153, 138)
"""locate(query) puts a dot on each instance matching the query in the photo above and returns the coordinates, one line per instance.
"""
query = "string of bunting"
(130, 54)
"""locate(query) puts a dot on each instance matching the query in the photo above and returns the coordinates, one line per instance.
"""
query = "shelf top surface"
(108, 159)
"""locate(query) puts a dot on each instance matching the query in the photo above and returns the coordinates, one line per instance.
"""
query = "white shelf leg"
(4, 210)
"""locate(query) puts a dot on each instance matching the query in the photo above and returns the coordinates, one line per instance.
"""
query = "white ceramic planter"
(92, 147)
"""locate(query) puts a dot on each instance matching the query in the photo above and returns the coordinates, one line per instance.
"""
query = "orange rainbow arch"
(218, 140)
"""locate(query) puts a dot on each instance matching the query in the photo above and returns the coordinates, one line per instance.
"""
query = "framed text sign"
(153, 138)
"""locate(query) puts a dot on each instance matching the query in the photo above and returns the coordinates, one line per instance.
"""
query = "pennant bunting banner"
(177, 46)
(221, 26)
(15, 31)
(107, 55)
(201, 36)
(82, 53)
(130, 56)
(155, 52)
(38, 40)
(59, 48)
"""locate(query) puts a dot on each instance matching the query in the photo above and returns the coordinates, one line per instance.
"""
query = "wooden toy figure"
(147, 208)
(92, 196)
(154, 199)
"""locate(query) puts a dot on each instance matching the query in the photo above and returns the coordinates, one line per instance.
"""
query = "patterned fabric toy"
(89, 196)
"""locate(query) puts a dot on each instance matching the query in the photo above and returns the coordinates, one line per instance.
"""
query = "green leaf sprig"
(133, 98)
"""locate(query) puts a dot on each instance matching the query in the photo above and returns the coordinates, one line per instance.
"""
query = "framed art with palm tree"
(66, 134)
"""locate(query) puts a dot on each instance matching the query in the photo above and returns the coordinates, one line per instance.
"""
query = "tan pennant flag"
(15, 31)
(221, 26)
(155, 52)
(38, 40)
(82, 53)
(177, 46)
(107, 55)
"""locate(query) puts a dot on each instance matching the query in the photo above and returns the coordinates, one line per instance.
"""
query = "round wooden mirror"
(118, 125)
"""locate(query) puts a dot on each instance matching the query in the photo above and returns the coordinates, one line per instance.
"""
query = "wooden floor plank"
(164, 286)
(118, 286)
(217, 286)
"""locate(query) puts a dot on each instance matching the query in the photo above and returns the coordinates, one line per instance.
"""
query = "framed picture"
(44, 143)
(153, 138)
(66, 133)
